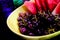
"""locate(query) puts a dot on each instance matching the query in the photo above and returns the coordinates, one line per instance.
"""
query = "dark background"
(6, 7)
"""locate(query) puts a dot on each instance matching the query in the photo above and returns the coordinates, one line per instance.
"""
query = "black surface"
(6, 33)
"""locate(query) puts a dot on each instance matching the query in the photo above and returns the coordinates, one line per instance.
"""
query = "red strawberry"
(52, 4)
(57, 10)
(43, 5)
(38, 4)
(30, 6)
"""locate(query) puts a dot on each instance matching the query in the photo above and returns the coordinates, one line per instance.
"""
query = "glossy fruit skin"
(52, 4)
(30, 6)
(56, 11)
(38, 4)
(43, 3)
(57, 8)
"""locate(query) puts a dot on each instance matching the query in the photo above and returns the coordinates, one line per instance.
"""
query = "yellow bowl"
(12, 24)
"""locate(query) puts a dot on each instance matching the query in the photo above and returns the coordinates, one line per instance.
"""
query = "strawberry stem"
(24, 22)
(36, 18)
(48, 12)
(51, 30)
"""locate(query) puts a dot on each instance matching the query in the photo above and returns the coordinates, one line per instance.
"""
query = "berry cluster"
(38, 24)
(42, 18)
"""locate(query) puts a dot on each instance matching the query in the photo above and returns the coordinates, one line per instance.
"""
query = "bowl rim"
(26, 36)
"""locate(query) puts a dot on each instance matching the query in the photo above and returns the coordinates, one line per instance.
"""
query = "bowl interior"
(12, 24)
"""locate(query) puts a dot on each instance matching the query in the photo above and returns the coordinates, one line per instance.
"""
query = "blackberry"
(23, 30)
(31, 34)
(38, 24)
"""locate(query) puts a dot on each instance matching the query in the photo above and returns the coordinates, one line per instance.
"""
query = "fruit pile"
(42, 18)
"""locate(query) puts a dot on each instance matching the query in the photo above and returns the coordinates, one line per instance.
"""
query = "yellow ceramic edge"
(46, 36)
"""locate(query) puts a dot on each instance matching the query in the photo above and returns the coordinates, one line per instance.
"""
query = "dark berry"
(30, 26)
(23, 30)
(31, 34)
(38, 24)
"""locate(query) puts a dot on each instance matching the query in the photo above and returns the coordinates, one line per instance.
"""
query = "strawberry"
(52, 4)
(30, 6)
(38, 4)
(57, 10)
(43, 5)
(32, 1)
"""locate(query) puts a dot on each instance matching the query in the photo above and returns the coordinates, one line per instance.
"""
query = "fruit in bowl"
(33, 25)
(37, 23)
